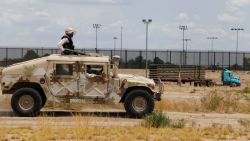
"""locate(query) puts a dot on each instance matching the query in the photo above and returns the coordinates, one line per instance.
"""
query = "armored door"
(63, 79)
(93, 83)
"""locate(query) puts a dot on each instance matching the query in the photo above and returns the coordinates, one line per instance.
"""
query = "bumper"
(157, 95)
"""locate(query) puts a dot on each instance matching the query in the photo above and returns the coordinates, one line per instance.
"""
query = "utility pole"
(96, 26)
(115, 38)
(212, 46)
(186, 49)
(147, 22)
(212, 42)
(237, 42)
(121, 43)
(183, 28)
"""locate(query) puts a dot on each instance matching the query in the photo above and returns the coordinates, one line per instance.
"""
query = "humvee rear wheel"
(26, 102)
(138, 103)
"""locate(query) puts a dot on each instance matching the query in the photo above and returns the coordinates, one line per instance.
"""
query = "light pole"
(121, 43)
(183, 28)
(186, 40)
(212, 41)
(115, 38)
(212, 46)
(237, 42)
(147, 22)
(96, 26)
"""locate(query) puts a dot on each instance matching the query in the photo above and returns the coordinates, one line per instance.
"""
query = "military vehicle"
(76, 79)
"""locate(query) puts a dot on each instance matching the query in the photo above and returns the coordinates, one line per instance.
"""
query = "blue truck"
(228, 78)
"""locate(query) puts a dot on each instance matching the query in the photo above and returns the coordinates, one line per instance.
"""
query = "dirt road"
(119, 119)
(114, 116)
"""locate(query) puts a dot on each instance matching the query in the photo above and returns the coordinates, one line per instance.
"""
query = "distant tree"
(246, 62)
(136, 63)
(31, 54)
(122, 63)
(236, 67)
(157, 60)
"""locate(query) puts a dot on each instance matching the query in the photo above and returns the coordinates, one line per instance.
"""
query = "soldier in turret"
(66, 45)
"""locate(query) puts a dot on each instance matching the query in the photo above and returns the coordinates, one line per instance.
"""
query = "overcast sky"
(41, 23)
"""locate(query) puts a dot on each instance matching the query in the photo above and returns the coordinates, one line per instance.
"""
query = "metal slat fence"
(136, 58)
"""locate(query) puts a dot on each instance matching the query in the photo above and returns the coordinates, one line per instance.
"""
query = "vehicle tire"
(26, 102)
(138, 103)
(233, 85)
(195, 84)
(203, 84)
(209, 84)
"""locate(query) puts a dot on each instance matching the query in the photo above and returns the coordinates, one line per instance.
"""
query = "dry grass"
(178, 106)
(227, 101)
(83, 131)
(245, 123)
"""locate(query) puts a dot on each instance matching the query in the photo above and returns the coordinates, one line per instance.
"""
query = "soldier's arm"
(61, 43)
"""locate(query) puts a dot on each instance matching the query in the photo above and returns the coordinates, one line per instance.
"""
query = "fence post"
(244, 65)
(194, 57)
(181, 57)
(140, 54)
(166, 56)
(22, 52)
(199, 58)
(7, 58)
(208, 60)
(154, 58)
(170, 57)
(111, 53)
(222, 60)
(126, 58)
(229, 63)
(214, 60)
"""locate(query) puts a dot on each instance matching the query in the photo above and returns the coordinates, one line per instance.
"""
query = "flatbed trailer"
(176, 73)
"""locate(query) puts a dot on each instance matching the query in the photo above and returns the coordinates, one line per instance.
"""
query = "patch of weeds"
(246, 90)
(211, 101)
(178, 124)
(193, 91)
(244, 122)
(158, 119)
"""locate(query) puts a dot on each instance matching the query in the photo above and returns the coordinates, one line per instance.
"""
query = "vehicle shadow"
(95, 114)
(68, 114)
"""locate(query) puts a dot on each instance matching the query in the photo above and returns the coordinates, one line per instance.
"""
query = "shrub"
(211, 101)
(244, 122)
(178, 124)
(157, 119)
(246, 90)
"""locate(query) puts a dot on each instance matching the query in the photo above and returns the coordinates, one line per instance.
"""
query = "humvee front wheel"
(26, 102)
(138, 103)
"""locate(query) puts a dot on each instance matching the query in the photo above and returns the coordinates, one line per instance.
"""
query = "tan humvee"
(76, 79)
